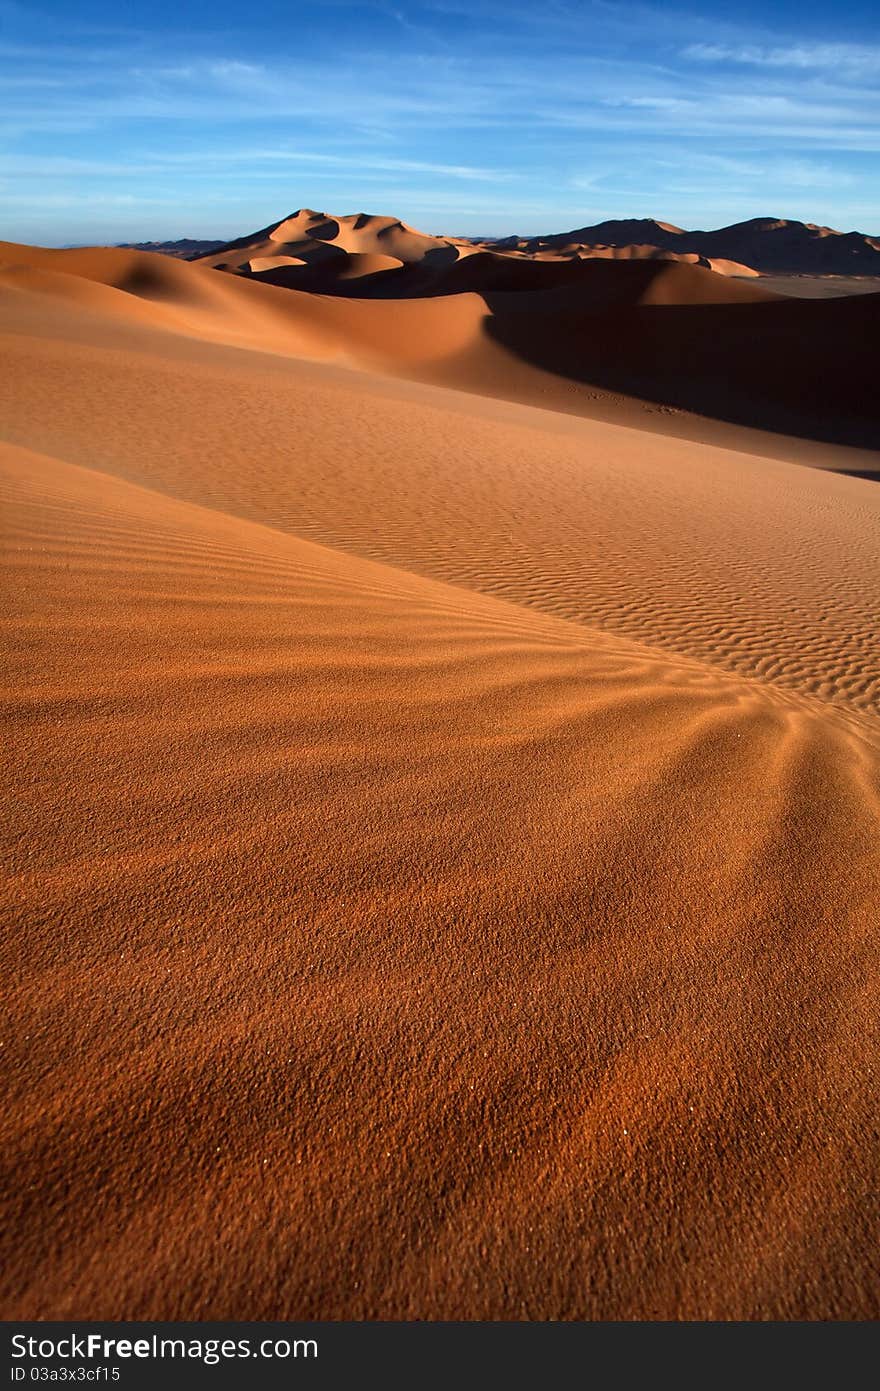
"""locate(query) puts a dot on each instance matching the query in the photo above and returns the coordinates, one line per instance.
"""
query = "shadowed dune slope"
(798, 367)
(598, 282)
(383, 950)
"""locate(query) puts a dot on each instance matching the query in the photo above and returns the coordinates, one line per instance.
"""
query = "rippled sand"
(443, 842)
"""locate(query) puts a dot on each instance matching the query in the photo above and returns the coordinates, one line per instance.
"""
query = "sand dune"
(745, 249)
(669, 345)
(489, 497)
(443, 862)
(314, 236)
(423, 264)
(773, 244)
(722, 265)
(186, 248)
(762, 245)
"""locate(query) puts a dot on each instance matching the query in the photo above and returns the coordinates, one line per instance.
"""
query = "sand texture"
(442, 822)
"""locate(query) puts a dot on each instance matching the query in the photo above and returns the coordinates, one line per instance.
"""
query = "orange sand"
(443, 835)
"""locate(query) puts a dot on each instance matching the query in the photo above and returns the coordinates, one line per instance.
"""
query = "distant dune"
(320, 242)
(317, 238)
(186, 248)
(761, 245)
(771, 244)
(442, 854)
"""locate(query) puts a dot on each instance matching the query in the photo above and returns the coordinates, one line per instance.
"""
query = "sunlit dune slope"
(321, 239)
(383, 950)
(442, 836)
(577, 518)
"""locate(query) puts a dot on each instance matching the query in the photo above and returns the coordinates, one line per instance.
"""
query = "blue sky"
(123, 122)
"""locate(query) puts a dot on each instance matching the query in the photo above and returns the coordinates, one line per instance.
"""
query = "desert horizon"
(777, 245)
(442, 680)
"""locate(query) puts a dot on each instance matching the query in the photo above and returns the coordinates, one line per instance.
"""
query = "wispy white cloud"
(862, 59)
(214, 162)
(782, 174)
(648, 103)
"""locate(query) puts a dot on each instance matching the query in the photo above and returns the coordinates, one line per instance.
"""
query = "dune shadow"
(148, 282)
(325, 231)
(871, 475)
(439, 256)
(798, 367)
(325, 278)
(321, 254)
